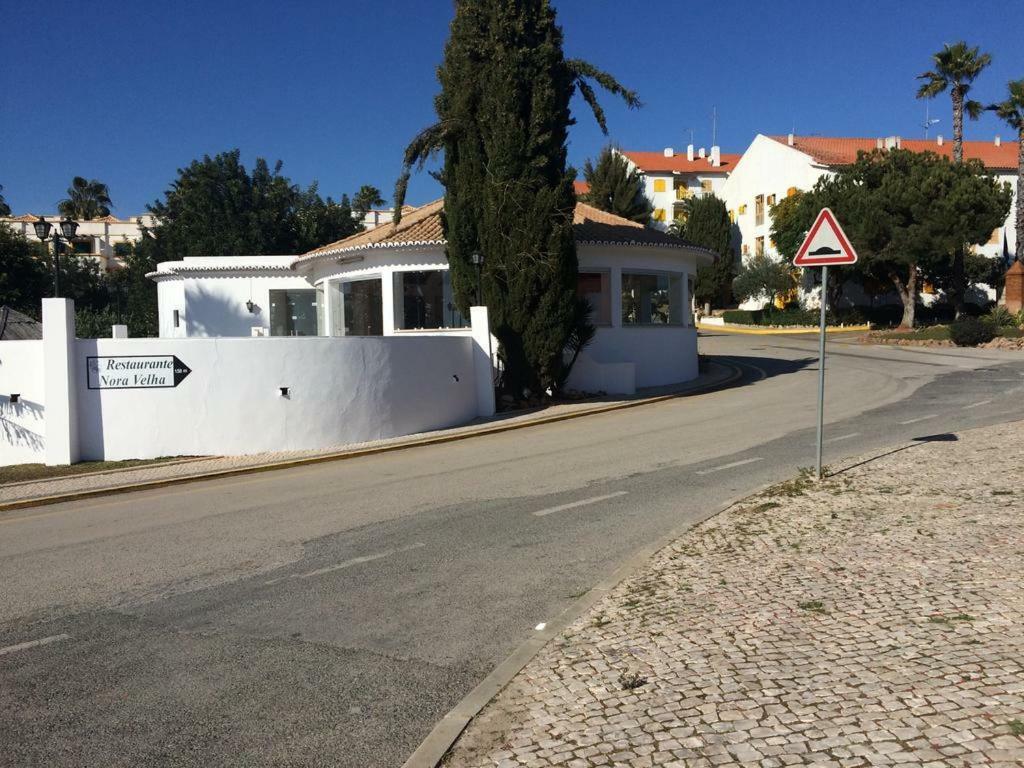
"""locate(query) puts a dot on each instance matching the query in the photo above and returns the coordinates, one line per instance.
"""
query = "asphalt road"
(331, 614)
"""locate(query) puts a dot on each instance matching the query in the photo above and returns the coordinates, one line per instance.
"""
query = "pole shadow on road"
(945, 437)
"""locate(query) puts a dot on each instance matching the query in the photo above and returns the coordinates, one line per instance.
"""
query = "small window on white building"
(652, 299)
(177, 318)
(595, 287)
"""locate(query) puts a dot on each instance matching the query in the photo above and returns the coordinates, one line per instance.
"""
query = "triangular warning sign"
(826, 244)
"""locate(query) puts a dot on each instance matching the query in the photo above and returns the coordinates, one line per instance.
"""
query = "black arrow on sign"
(180, 370)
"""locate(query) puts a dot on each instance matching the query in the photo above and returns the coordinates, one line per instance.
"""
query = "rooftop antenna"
(928, 120)
(691, 134)
(714, 126)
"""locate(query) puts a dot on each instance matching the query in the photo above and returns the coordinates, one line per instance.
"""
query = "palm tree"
(956, 67)
(5, 209)
(1012, 112)
(86, 200)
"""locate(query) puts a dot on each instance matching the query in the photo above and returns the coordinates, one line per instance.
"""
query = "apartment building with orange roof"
(776, 166)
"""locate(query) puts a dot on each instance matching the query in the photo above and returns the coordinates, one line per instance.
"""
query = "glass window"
(595, 287)
(82, 247)
(424, 300)
(652, 299)
(362, 307)
(759, 210)
(293, 313)
(759, 246)
(705, 185)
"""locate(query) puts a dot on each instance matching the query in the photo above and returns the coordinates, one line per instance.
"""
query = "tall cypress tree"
(503, 121)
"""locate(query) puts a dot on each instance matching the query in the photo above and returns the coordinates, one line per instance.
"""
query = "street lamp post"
(478, 261)
(68, 227)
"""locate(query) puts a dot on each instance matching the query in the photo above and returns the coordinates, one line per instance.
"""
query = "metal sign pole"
(821, 368)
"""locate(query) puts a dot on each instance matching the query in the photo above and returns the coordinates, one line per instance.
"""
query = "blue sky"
(135, 90)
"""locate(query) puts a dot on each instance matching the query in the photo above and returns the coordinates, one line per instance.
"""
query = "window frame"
(681, 298)
(447, 298)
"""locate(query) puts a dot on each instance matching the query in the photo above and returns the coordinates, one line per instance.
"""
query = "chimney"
(791, 139)
(669, 152)
(998, 141)
(702, 153)
(892, 142)
(879, 143)
(938, 139)
(689, 152)
(716, 156)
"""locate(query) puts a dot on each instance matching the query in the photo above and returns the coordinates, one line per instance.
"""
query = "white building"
(671, 178)
(776, 166)
(393, 281)
(96, 237)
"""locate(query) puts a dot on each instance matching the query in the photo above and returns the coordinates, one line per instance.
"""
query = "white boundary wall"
(22, 424)
(339, 391)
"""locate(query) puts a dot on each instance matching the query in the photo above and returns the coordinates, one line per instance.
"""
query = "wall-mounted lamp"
(455, 376)
(251, 306)
(284, 392)
(14, 397)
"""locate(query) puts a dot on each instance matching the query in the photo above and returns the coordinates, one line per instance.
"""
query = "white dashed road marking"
(920, 418)
(842, 437)
(976, 405)
(347, 563)
(33, 644)
(581, 503)
(729, 466)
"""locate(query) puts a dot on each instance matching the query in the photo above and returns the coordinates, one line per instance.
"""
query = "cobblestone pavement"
(874, 619)
(190, 468)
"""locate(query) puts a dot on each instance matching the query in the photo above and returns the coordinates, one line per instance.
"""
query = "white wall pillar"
(387, 294)
(59, 371)
(483, 366)
(615, 286)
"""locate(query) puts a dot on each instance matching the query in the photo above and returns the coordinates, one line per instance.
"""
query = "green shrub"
(743, 316)
(971, 331)
(1000, 317)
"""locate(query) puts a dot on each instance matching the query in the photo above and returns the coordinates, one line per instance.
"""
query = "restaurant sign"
(135, 372)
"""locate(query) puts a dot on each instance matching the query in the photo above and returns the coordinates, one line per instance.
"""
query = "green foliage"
(365, 200)
(907, 214)
(792, 316)
(971, 331)
(616, 187)
(762, 277)
(706, 223)
(503, 119)
(26, 277)
(217, 207)
(86, 200)
(5, 209)
(955, 68)
(742, 316)
(319, 222)
(1000, 317)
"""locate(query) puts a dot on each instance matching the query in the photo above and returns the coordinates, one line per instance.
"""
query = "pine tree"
(616, 187)
(706, 223)
(503, 116)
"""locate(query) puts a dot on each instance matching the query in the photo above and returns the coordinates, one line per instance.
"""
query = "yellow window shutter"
(659, 185)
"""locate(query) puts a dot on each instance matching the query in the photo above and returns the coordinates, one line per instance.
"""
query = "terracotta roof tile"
(423, 227)
(580, 187)
(829, 150)
(656, 162)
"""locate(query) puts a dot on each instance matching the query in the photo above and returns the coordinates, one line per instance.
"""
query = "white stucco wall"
(212, 302)
(341, 390)
(766, 168)
(22, 424)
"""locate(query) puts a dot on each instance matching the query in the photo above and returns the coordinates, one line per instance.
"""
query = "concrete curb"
(40, 501)
(440, 740)
(783, 331)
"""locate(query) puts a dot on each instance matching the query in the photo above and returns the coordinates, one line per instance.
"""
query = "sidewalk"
(50, 490)
(874, 619)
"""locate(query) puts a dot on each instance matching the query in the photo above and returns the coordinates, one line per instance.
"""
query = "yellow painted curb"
(40, 501)
(787, 331)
